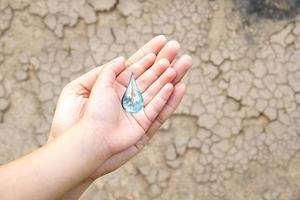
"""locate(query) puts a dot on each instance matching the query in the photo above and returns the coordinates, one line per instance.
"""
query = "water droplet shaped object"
(132, 100)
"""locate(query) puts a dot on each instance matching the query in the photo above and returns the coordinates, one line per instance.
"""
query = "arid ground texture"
(236, 135)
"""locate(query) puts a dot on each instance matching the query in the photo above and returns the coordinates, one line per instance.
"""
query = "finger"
(137, 68)
(169, 51)
(182, 65)
(110, 73)
(85, 81)
(69, 102)
(153, 46)
(168, 109)
(167, 77)
(152, 74)
(153, 109)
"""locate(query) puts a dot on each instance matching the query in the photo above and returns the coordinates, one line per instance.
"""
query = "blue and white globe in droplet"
(132, 100)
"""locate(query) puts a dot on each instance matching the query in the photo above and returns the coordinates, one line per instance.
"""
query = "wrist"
(92, 147)
(64, 163)
(77, 191)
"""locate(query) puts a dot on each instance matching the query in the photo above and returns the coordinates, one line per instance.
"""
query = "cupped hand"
(96, 96)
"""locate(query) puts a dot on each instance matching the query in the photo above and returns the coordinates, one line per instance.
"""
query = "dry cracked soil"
(236, 135)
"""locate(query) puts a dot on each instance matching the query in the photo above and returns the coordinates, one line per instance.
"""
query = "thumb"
(110, 72)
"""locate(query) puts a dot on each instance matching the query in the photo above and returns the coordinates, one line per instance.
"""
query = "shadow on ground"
(270, 9)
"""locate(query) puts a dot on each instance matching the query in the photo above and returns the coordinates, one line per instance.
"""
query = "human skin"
(157, 49)
(86, 142)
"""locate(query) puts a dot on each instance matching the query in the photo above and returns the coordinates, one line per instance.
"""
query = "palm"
(73, 104)
(128, 128)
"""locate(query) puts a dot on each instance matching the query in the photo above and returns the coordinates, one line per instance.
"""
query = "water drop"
(132, 100)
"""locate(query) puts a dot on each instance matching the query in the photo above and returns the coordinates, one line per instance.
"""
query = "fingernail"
(120, 59)
(175, 43)
(161, 37)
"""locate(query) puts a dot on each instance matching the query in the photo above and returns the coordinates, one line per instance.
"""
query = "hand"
(97, 131)
(74, 99)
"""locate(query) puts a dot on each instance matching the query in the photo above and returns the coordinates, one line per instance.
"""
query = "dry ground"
(236, 135)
